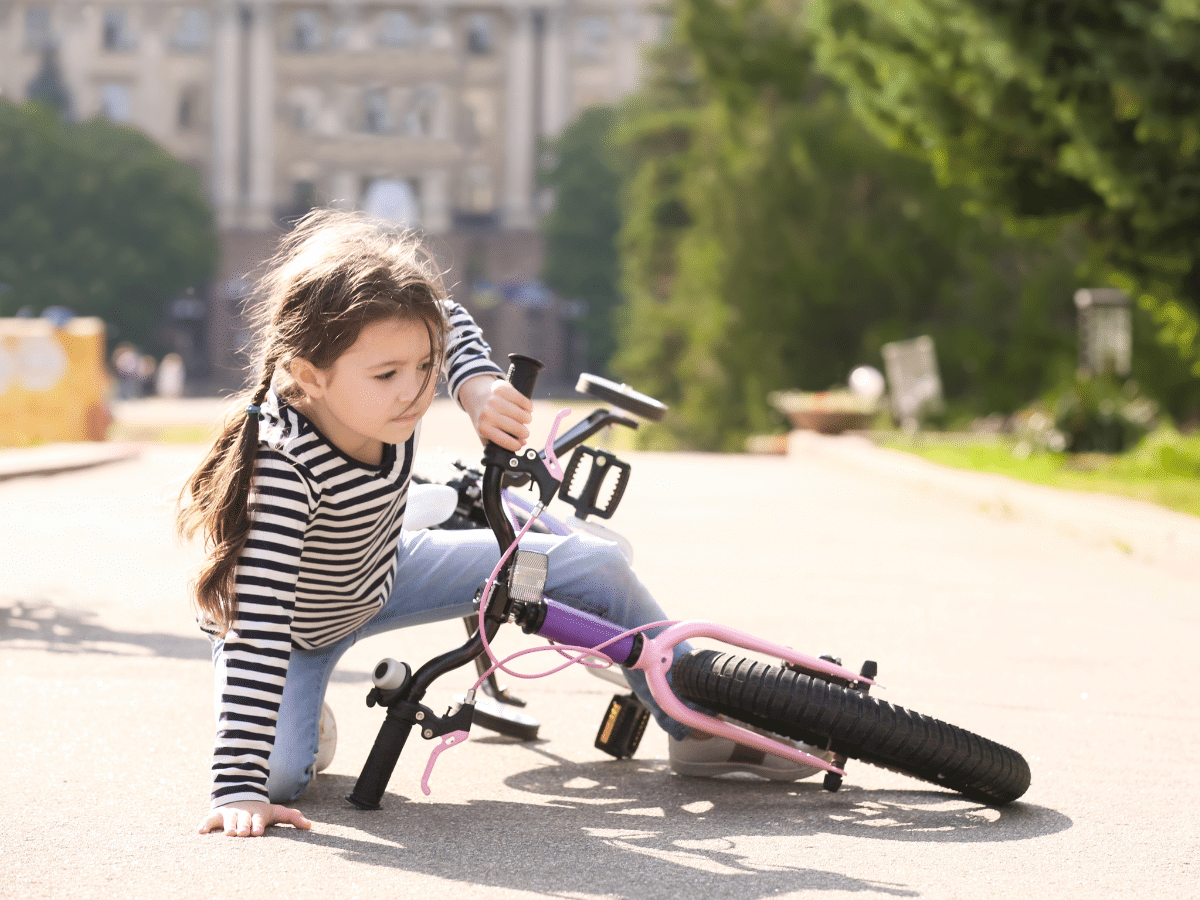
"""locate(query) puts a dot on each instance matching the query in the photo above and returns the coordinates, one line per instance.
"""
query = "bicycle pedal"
(622, 727)
(587, 487)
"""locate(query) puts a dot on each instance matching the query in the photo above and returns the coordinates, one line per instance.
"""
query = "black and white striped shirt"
(318, 563)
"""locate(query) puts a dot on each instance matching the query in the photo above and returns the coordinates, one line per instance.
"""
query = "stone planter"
(829, 412)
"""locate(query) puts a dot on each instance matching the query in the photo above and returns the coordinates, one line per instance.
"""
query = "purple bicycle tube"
(565, 625)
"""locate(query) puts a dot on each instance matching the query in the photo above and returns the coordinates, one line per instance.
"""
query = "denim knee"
(288, 778)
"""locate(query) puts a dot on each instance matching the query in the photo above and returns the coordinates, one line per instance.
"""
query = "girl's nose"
(410, 387)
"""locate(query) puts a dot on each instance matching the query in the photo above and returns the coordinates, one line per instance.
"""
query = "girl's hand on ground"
(499, 412)
(251, 819)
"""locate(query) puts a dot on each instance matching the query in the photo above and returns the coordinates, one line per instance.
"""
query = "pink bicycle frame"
(656, 659)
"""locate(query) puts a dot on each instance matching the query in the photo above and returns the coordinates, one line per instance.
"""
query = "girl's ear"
(308, 378)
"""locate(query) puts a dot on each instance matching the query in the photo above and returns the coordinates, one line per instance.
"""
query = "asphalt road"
(1071, 642)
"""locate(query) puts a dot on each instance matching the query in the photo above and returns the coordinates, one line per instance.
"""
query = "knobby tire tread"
(859, 726)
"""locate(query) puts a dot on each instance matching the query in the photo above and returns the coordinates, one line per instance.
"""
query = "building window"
(38, 35)
(478, 119)
(478, 194)
(193, 30)
(117, 34)
(421, 112)
(481, 34)
(114, 102)
(304, 196)
(377, 114)
(306, 31)
(593, 36)
(189, 108)
(304, 108)
(396, 29)
(393, 200)
(302, 117)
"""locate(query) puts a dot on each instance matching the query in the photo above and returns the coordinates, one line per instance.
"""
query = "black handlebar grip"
(381, 762)
(523, 372)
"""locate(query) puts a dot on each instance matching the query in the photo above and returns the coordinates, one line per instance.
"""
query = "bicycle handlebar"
(522, 374)
(404, 711)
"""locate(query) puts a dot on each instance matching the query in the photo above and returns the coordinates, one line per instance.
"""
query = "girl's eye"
(425, 367)
(384, 376)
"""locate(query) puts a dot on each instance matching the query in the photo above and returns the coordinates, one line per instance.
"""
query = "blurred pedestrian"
(171, 376)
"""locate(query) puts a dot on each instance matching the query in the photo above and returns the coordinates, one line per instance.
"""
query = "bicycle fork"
(574, 628)
(655, 655)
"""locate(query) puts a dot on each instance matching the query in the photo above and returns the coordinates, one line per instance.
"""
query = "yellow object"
(53, 382)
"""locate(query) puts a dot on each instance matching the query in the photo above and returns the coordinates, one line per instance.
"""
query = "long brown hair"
(333, 275)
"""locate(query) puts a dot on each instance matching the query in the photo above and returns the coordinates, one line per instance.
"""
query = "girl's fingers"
(504, 391)
(288, 816)
(237, 822)
(508, 429)
(212, 822)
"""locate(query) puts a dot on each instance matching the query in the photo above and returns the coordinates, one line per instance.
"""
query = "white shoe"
(326, 739)
(712, 756)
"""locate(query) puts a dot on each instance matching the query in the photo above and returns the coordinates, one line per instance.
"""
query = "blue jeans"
(437, 576)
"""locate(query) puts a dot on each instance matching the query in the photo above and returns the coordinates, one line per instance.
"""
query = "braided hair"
(334, 274)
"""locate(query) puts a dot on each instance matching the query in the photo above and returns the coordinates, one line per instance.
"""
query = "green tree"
(97, 218)
(1085, 112)
(48, 87)
(581, 230)
(771, 242)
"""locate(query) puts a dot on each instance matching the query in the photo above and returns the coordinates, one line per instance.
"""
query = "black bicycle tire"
(858, 725)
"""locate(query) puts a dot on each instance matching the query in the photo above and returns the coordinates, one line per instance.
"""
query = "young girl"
(301, 499)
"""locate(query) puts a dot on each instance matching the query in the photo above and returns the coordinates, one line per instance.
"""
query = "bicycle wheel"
(858, 725)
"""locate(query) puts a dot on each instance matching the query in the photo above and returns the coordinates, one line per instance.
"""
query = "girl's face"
(375, 393)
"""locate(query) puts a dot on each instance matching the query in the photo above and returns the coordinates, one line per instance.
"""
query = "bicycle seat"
(429, 505)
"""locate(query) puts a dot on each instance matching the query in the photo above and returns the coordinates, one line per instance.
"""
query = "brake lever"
(544, 468)
(448, 741)
(551, 457)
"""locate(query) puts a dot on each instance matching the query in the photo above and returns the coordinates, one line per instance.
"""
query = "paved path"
(1013, 622)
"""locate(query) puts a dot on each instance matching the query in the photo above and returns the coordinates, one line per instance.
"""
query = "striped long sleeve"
(319, 563)
(467, 353)
(258, 646)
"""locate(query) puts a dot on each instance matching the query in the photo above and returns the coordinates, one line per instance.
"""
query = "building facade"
(427, 112)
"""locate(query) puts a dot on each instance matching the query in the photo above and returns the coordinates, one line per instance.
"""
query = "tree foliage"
(99, 219)
(771, 242)
(581, 230)
(1084, 112)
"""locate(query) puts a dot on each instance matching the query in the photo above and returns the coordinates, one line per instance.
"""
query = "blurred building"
(428, 112)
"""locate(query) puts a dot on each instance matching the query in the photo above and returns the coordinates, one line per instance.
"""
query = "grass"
(1143, 474)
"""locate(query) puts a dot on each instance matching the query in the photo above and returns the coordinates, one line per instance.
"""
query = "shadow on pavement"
(44, 625)
(921, 814)
(632, 830)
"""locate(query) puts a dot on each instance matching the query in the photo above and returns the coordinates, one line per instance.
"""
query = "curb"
(1134, 527)
(51, 459)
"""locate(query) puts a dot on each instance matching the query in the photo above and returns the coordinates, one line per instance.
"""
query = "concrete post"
(151, 105)
(556, 74)
(225, 118)
(517, 212)
(435, 201)
(261, 89)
